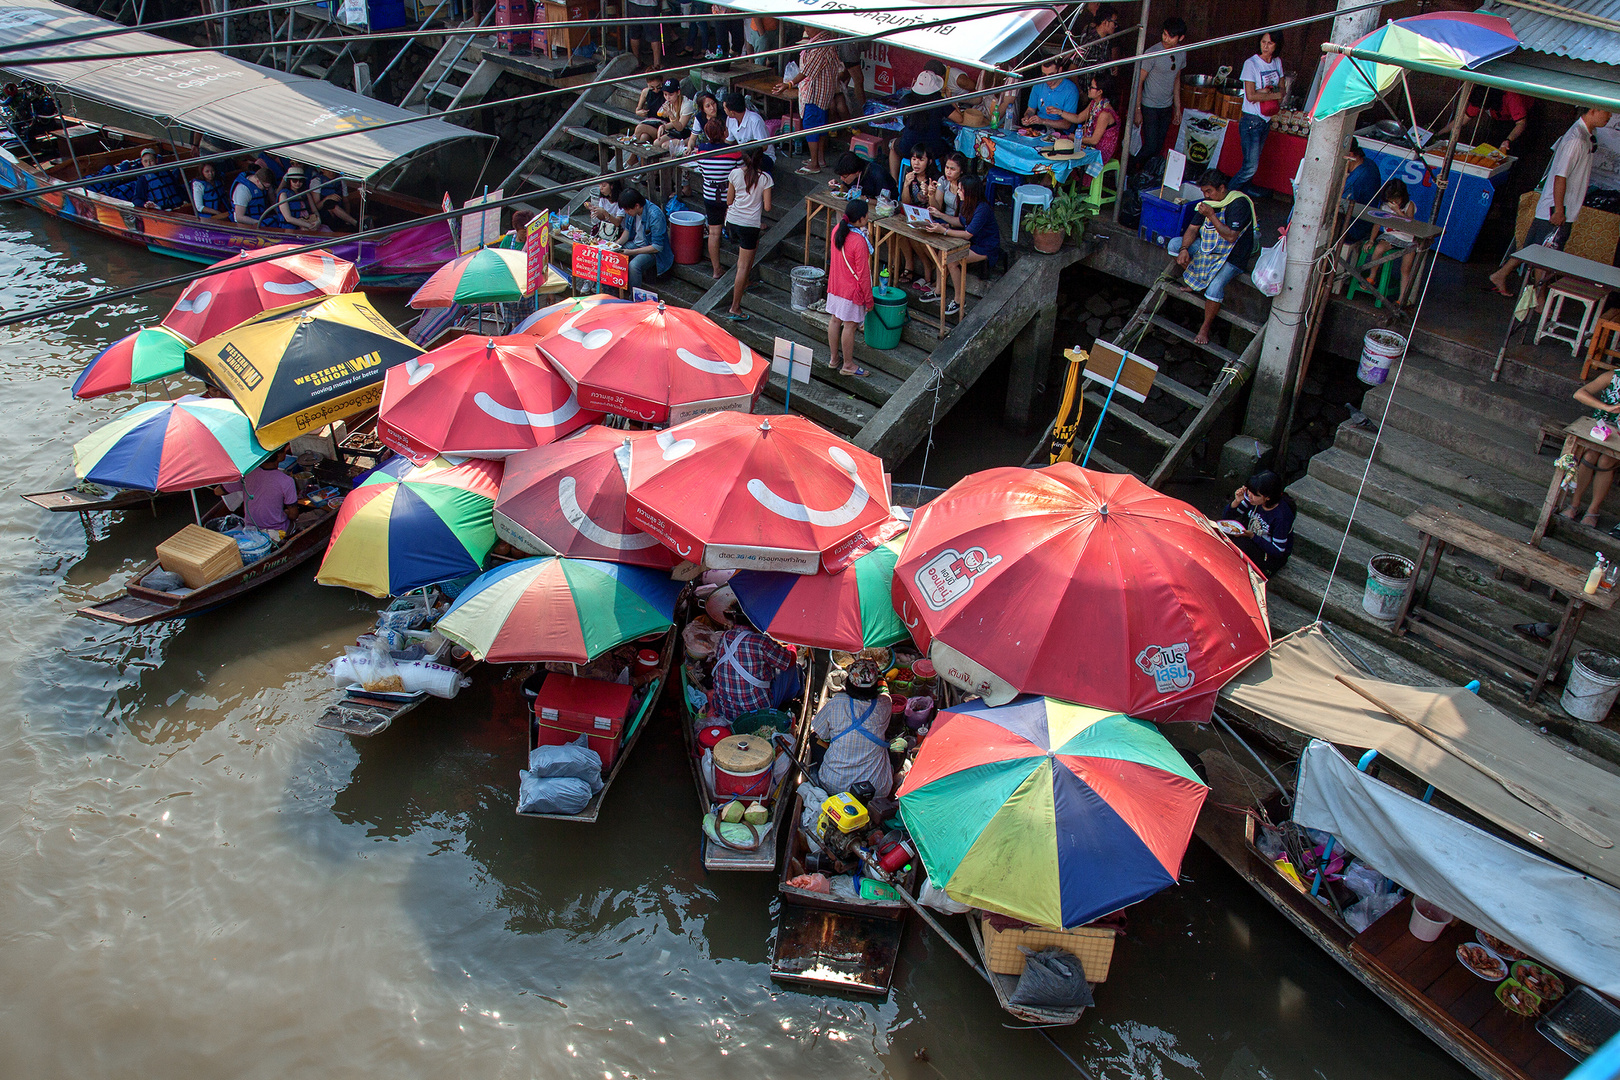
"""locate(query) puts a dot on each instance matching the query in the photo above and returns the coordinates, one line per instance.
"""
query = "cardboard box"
(567, 707)
(199, 556)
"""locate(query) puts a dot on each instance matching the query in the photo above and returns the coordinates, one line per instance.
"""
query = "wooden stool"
(1604, 346)
(1590, 297)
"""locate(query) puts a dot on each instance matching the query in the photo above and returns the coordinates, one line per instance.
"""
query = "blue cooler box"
(1470, 190)
(1163, 216)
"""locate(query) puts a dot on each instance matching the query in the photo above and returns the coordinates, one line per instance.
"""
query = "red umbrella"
(233, 294)
(478, 397)
(654, 364)
(758, 493)
(569, 498)
(1084, 586)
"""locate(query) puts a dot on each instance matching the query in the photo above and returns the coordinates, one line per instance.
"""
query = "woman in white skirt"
(849, 286)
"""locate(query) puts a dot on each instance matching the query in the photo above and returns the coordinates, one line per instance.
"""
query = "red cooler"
(568, 707)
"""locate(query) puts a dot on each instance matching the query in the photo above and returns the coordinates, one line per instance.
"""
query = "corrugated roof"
(1557, 29)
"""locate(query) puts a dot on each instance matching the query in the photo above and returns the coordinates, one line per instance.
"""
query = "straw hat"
(296, 172)
(1064, 150)
(974, 118)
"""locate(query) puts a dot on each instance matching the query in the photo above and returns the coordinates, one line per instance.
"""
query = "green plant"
(1067, 213)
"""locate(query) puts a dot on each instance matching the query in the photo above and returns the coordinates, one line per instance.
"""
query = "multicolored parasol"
(234, 294)
(852, 610)
(487, 276)
(170, 446)
(1049, 812)
(1453, 39)
(145, 356)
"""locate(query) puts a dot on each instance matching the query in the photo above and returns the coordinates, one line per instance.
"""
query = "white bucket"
(1594, 682)
(1379, 350)
(1387, 575)
(809, 282)
(1427, 920)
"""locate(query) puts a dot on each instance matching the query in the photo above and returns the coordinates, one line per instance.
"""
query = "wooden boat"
(73, 500)
(635, 722)
(363, 714)
(999, 954)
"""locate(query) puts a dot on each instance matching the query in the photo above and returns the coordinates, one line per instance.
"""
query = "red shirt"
(849, 273)
(1512, 107)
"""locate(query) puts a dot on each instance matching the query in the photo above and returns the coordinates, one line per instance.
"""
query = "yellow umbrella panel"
(298, 369)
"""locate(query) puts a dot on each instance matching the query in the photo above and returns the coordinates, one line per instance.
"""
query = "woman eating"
(980, 228)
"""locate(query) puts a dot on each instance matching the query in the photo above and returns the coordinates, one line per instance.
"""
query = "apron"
(729, 657)
(1212, 250)
(860, 727)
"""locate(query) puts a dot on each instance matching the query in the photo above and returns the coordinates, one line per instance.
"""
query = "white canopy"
(215, 94)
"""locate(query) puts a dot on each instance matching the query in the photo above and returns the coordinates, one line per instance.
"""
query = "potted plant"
(1050, 225)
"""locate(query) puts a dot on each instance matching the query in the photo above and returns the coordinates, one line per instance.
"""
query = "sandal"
(806, 170)
(1590, 521)
(735, 316)
(858, 373)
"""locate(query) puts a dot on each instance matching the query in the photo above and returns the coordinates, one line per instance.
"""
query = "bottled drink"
(883, 277)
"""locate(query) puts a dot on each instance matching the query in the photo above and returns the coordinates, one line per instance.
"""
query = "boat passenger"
(210, 195)
(293, 209)
(1268, 514)
(853, 726)
(250, 196)
(275, 164)
(271, 497)
(330, 193)
(160, 190)
(747, 668)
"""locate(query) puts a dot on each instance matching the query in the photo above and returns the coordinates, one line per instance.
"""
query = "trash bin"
(887, 319)
(809, 282)
(686, 236)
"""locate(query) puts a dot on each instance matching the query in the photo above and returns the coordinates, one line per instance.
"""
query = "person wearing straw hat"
(293, 209)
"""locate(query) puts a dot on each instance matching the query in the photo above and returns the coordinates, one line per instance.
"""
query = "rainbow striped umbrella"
(408, 526)
(1453, 39)
(553, 608)
(487, 276)
(852, 610)
(170, 446)
(1049, 812)
(145, 356)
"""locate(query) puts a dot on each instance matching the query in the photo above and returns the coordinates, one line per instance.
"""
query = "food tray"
(1499, 947)
(1485, 963)
(356, 690)
(1540, 979)
(1580, 1023)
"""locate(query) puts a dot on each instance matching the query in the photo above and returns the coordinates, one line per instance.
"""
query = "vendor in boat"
(1267, 515)
(270, 496)
(210, 194)
(852, 727)
(163, 190)
(751, 671)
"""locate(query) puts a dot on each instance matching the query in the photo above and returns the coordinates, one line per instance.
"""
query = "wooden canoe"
(72, 500)
(1004, 985)
(358, 713)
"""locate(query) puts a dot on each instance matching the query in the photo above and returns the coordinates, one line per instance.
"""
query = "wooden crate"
(1094, 948)
(199, 556)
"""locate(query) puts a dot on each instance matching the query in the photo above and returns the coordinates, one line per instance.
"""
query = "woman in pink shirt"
(849, 286)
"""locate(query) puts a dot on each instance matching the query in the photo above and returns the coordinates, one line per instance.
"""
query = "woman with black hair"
(748, 199)
(1267, 515)
(849, 286)
(980, 228)
(853, 727)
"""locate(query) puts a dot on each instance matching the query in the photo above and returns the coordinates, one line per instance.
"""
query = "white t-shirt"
(751, 128)
(1264, 76)
(748, 207)
(1572, 159)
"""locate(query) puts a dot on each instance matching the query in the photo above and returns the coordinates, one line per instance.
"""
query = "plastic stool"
(996, 177)
(1028, 195)
(1382, 292)
(1590, 297)
(1605, 348)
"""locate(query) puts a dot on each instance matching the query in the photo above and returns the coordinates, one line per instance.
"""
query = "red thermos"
(893, 856)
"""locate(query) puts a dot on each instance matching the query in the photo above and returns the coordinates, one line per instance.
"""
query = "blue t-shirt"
(1362, 186)
(1273, 529)
(1065, 95)
(984, 231)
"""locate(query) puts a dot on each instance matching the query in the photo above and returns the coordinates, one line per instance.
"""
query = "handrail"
(466, 42)
(407, 45)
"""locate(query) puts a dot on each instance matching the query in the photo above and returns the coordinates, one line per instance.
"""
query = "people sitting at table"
(672, 120)
(1267, 515)
(604, 205)
(1594, 472)
(944, 207)
(293, 208)
(1563, 191)
(162, 190)
(646, 239)
(748, 198)
(1362, 182)
(1048, 101)
(210, 194)
(817, 84)
(1398, 203)
(917, 187)
(870, 179)
(744, 125)
(981, 230)
(925, 128)
(707, 108)
(651, 98)
(1098, 122)
(716, 172)
(849, 286)
(1218, 248)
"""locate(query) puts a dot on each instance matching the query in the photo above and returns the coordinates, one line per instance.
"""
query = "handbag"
(1270, 108)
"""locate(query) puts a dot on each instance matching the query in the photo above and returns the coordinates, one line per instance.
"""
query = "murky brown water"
(195, 882)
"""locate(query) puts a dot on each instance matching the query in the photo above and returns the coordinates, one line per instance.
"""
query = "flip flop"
(858, 373)
(1491, 287)
(736, 316)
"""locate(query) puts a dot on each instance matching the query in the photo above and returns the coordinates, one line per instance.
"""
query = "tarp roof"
(1295, 684)
(215, 94)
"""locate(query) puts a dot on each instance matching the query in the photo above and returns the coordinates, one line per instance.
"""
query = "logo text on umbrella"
(1168, 666)
(948, 576)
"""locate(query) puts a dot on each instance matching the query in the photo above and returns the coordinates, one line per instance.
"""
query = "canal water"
(195, 881)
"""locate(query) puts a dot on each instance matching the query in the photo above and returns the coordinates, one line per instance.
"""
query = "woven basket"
(1094, 948)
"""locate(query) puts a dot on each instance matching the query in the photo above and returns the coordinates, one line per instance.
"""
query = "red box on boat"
(568, 707)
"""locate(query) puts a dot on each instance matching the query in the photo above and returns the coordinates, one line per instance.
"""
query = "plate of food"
(1481, 961)
(1230, 527)
(1499, 947)
(1517, 998)
(1539, 980)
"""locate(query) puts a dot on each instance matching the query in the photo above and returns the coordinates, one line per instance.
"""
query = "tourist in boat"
(271, 497)
(275, 164)
(749, 672)
(210, 195)
(853, 727)
(293, 208)
(646, 239)
(330, 193)
(1217, 249)
(1267, 515)
(748, 198)
(250, 196)
(163, 190)
(981, 230)
(849, 286)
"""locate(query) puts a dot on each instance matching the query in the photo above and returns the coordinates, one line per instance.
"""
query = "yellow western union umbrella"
(295, 370)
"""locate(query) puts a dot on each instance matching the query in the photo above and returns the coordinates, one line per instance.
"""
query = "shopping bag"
(1268, 269)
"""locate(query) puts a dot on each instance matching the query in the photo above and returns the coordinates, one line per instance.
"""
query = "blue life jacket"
(163, 188)
(256, 197)
(215, 196)
(273, 218)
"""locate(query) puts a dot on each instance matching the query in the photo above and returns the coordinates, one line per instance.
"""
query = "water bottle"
(883, 277)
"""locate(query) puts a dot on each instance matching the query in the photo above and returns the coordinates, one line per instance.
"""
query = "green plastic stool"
(1383, 293)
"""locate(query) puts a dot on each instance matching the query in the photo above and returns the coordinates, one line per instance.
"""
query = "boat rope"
(936, 381)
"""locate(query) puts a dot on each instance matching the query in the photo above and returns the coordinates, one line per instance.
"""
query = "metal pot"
(1198, 82)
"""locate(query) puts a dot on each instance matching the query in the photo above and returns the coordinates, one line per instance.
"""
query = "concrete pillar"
(1031, 361)
(1314, 200)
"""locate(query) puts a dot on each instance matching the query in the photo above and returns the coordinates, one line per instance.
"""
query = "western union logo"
(360, 363)
(240, 366)
(340, 372)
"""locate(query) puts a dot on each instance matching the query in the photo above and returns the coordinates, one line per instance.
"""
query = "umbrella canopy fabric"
(407, 526)
(654, 364)
(170, 446)
(561, 610)
(1086, 586)
(569, 498)
(735, 491)
(298, 370)
(477, 396)
(1049, 812)
(487, 276)
(852, 610)
(234, 294)
(145, 356)
(546, 321)
(1453, 39)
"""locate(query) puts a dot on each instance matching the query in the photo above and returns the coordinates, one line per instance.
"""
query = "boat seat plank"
(1475, 1002)
(1432, 963)
(1457, 981)
(1400, 954)
(1515, 1037)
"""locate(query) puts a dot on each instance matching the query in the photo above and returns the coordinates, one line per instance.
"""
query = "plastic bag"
(1268, 270)
(1364, 881)
(375, 669)
(1053, 978)
(933, 896)
(552, 794)
(811, 883)
(1136, 140)
(1364, 913)
(575, 759)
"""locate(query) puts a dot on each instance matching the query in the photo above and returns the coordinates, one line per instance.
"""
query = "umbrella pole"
(195, 509)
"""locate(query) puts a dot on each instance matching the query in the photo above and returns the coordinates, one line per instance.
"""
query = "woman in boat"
(330, 193)
(293, 209)
(853, 727)
(210, 195)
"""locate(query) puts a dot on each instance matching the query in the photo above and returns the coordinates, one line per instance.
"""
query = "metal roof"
(1546, 26)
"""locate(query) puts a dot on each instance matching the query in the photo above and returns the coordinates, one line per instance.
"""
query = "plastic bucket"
(1427, 920)
(809, 283)
(1594, 682)
(1379, 350)
(887, 319)
(686, 236)
(1387, 575)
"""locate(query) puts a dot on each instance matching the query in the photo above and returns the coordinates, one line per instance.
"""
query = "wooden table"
(1422, 232)
(765, 85)
(1577, 440)
(827, 203)
(613, 154)
(943, 251)
(1543, 257)
(1438, 528)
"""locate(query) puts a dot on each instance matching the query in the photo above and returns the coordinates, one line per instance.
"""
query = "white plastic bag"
(1268, 269)
(1136, 140)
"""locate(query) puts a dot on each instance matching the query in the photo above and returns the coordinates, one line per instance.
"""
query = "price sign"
(615, 271)
(587, 263)
(537, 250)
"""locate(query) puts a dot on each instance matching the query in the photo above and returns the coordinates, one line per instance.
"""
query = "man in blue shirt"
(1361, 185)
(646, 241)
(1046, 100)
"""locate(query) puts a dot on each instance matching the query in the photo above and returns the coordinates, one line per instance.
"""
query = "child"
(849, 286)
(1397, 201)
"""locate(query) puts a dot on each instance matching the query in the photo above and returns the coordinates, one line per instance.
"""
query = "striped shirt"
(716, 170)
(819, 68)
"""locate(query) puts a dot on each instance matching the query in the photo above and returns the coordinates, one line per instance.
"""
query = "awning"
(215, 94)
(985, 42)
(1553, 913)
(1295, 684)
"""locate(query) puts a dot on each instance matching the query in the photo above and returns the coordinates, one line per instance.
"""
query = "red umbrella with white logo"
(654, 364)
(233, 294)
(477, 397)
(732, 490)
(1084, 586)
(569, 498)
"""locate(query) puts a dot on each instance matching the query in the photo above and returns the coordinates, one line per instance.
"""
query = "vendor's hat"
(1064, 150)
(864, 674)
(927, 82)
(974, 118)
